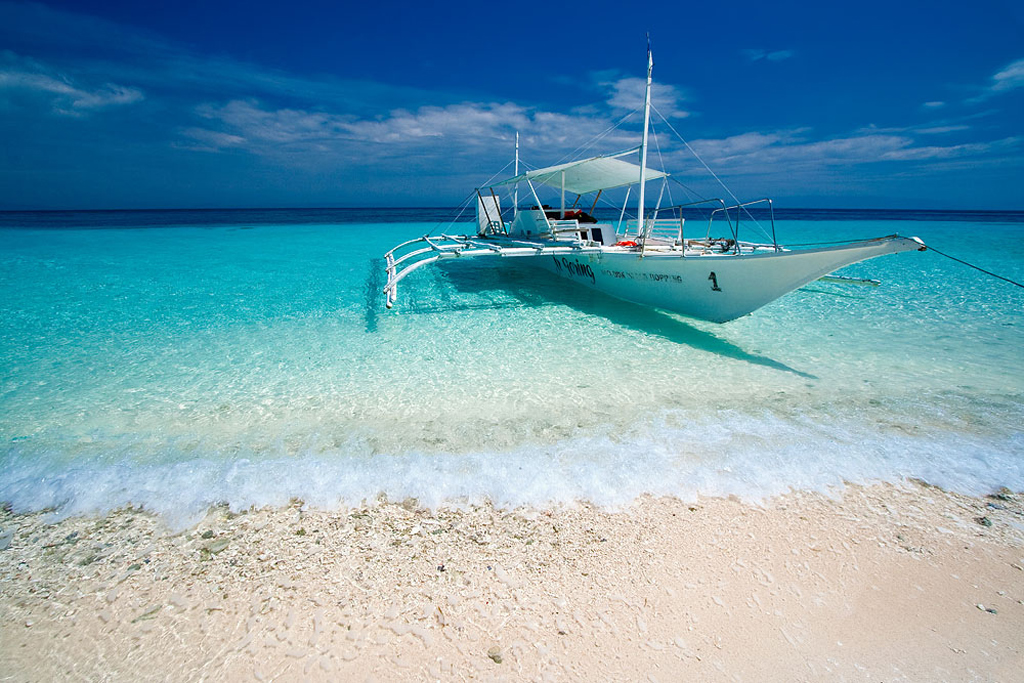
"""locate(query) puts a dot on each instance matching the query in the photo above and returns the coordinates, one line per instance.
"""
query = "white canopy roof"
(589, 175)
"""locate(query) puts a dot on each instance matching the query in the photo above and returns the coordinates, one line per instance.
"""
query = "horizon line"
(452, 206)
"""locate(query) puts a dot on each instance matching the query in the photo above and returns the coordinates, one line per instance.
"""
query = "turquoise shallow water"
(252, 362)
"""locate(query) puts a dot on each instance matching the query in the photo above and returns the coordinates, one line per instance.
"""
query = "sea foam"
(727, 454)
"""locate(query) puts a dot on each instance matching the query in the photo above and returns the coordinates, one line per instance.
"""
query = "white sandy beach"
(883, 583)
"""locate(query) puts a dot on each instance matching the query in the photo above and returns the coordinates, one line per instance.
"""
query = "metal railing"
(737, 208)
(676, 224)
(664, 226)
(670, 229)
(564, 226)
(667, 229)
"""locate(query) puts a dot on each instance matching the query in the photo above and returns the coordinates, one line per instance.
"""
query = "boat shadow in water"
(526, 287)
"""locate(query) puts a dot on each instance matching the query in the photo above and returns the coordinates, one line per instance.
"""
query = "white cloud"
(209, 140)
(465, 121)
(249, 106)
(450, 131)
(1010, 78)
(626, 94)
(150, 63)
(249, 121)
(835, 151)
(942, 130)
(319, 122)
(623, 94)
(744, 145)
(479, 131)
(952, 151)
(264, 127)
(66, 96)
(939, 127)
(791, 151)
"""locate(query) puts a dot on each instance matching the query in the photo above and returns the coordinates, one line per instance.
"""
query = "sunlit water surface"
(179, 366)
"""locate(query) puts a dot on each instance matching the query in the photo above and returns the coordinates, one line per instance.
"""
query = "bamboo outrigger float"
(654, 261)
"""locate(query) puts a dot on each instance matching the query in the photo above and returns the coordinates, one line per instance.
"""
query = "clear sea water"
(175, 360)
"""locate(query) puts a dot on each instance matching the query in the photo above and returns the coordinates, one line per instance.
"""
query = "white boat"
(650, 260)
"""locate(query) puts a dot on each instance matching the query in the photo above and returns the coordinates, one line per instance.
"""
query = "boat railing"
(740, 209)
(671, 229)
(662, 230)
(563, 227)
(679, 208)
(666, 228)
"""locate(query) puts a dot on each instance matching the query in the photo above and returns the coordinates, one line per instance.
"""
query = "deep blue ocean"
(178, 359)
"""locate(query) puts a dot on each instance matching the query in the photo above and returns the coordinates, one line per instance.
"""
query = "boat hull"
(713, 287)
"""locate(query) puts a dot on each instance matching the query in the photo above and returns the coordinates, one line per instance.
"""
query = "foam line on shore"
(746, 456)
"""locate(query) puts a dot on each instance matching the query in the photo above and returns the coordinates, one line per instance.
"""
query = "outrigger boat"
(650, 260)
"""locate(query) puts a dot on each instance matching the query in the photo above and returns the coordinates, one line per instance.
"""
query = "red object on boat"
(626, 243)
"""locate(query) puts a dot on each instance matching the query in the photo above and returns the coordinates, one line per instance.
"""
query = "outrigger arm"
(414, 254)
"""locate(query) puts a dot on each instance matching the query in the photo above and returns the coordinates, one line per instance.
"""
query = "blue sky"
(123, 104)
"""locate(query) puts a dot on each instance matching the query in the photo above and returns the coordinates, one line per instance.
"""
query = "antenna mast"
(515, 194)
(643, 144)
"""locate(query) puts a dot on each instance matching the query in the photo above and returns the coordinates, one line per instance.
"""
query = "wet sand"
(878, 583)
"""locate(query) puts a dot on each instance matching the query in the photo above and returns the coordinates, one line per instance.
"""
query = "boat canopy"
(589, 175)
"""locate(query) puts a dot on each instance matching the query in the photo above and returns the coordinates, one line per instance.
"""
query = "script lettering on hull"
(574, 268)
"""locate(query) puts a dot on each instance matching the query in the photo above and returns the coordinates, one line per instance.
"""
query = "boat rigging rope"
(694, 153)
(687, 190)
(713, 174)
(499, 172)
(661, 162)
(987, 272)
(597, 138)
(464, 204)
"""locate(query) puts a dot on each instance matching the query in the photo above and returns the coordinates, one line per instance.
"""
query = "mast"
(643, 144)
(515, 194)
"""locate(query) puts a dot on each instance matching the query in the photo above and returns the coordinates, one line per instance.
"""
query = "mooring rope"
(929, 247)
(987, 272)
